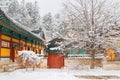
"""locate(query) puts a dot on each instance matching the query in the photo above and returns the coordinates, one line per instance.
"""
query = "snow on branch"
(28, 58)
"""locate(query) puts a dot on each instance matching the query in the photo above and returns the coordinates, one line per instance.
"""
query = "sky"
(53, 6)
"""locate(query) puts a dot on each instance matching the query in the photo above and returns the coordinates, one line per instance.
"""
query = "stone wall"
(80, 63)
(70, 63)
(44, 63)
(75, 62)
(115, 65)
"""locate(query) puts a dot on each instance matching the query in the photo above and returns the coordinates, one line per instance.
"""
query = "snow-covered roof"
(18, 27)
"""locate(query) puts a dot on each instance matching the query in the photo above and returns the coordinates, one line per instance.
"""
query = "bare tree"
(92, 20)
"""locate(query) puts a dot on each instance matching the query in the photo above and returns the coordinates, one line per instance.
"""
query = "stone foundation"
(9, 66)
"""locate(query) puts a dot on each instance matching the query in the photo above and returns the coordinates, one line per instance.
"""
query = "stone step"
(7, 67)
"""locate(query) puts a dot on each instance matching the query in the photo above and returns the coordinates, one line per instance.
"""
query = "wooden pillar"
(20, 44)
(38, 48)
(0, 43)
(20, 48)
(31, 47)
(12, 50)
(26, 44)
(35, 48)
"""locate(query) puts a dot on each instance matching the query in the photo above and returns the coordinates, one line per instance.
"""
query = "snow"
(44, 74)
(30, 56)
(55, 74)
(19, 24)
(23, 26)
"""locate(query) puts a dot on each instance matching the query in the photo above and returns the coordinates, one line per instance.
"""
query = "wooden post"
(20, 47)
(26, 44)
(38, 48)
(0, 43)
(35, 48)
(12, 52)
(31, 47)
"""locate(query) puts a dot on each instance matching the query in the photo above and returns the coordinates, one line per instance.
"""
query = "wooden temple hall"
(14, 37)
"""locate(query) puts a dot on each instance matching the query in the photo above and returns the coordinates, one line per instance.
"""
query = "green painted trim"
(17, 30)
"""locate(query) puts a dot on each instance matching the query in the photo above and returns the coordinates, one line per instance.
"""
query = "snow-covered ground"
(56, 74)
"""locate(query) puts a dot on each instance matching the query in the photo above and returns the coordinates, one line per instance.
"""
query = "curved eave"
(9, 24)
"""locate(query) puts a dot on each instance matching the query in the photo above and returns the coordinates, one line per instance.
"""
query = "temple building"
(14, 37)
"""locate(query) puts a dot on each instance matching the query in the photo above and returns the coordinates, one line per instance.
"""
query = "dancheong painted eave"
(17, 28)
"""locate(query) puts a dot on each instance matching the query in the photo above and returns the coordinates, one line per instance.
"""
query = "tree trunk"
(92, 65)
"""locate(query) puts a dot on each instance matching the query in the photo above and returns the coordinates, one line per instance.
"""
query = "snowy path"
(55, 74)
(38, 74)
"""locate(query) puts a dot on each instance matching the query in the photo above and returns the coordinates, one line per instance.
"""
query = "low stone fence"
(81, 62)
(70, 62)
(115, 65)
(75, 62)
